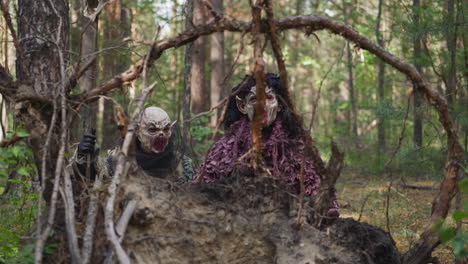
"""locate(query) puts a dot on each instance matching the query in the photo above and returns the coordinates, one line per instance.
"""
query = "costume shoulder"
(111, 159)
(187, 168)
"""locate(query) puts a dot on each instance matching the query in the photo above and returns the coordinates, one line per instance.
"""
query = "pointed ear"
(173, 125)
(240, 105)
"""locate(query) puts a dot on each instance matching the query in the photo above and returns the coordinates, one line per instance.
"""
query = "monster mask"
(154, 130)
(247, 105)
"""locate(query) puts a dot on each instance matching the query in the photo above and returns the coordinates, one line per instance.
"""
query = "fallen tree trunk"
(246, 218)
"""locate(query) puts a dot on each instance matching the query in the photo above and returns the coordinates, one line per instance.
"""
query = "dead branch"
(363, 205)
(125, 218)
(87, 247)
(123, 164)
(67, 195)
(387, 208)
(326, 193)
(218, 105)
(278, 54)
(7, 17)
(97, 11)
(42, 237)
(8, 141)
(217, 16)
(43, 175)
(259, 84)
(418, 186)
(122, 226)
(7, 85)
(129, 39)
(402, 134)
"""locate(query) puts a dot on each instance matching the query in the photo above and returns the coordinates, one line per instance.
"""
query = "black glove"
(87, 143)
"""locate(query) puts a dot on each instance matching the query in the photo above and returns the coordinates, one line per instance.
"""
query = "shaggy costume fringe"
(283, 156)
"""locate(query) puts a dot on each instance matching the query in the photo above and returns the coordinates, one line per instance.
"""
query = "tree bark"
(88, 47)
(217, 65)
(176, 75)
(381, 84)
(429, 240)
(464, 10)
(349, 57)
(115, 28)
(199, 90)
(451, 41)
(186, 93)
(417, 98)
(40, 70)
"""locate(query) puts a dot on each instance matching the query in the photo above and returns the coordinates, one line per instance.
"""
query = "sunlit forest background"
(394, 146)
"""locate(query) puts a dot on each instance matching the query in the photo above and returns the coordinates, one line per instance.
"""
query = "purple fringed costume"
(282, 155)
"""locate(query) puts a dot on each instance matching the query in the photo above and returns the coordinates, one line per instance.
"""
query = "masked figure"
(283, 145)
(154, 148)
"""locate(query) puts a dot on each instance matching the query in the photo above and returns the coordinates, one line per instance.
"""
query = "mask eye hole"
(166, 129)
(152, 130)
(253, 99)
(270, 96)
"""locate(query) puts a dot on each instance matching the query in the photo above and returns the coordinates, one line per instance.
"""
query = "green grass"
(363, 195)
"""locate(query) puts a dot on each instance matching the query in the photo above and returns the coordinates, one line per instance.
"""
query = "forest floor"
(364, 196)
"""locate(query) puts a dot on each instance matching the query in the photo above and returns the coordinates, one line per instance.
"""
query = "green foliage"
(448, 235)
(199, 131)
(18, 207)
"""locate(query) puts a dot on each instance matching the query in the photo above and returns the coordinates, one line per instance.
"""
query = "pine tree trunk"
(40, 69)
(381, 84)
(186, 94)
(464, 10)
(88, 46)
(199, 91)
(417, 97)
(451, 40)
(349, 57)
(217, 65)
(115, 29)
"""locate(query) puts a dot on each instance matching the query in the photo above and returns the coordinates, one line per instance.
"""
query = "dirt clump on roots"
(244, 219)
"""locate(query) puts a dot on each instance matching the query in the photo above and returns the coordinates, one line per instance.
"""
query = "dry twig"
(42, 237)
(66, 190)
(259, 84)
(123, 165)
(87, 247)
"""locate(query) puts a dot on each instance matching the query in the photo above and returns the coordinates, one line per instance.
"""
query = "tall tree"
(173, 66)
(186, 93)
(199, 90)
(41, 68)
(451, 41)
(462, 20)
(218, 91)
(115, 29)
(88, 48)
(347, 13)
(381, 82)
(417, 96)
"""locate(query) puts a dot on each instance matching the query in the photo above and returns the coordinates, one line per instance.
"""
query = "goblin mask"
(154, 130)
(247, 105)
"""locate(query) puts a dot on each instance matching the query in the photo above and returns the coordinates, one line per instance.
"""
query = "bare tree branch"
(42, 237)
(257, 123)
(87, 248)
(123, 164)
(7, 85)
(66, 191)
(217, 16)
(8, 141)
(428, 240)
(122, 226)
(7, 17)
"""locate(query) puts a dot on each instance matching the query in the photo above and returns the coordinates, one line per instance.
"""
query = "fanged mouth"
(159, 143)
